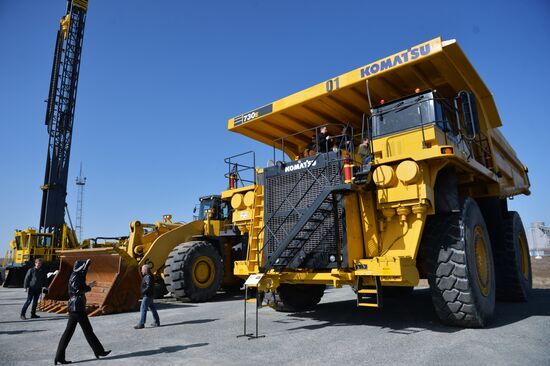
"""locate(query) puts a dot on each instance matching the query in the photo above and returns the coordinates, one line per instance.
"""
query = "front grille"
(299, 189)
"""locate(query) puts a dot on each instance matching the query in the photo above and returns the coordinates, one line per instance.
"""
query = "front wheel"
(194, 270)
(460, 267)
(292, 298)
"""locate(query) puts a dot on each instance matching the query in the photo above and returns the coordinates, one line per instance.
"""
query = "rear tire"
(513, 261)
(193, 270)
(460, 267)
(293, 298)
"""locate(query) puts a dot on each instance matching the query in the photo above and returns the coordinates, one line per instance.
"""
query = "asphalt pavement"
(405, 332)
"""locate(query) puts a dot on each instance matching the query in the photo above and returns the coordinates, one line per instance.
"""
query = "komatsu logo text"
(409, 55)
(302, 165)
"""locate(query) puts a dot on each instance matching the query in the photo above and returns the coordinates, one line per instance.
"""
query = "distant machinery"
(539, 238)
(53, 234)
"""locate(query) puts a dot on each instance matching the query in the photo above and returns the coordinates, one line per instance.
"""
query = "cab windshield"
(413, 112)
(44, 241)
(218, 210)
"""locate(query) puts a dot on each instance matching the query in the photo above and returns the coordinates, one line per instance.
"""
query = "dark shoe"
(23, 317)
(34, 316)
(154, 325)
(139, 326)
(63, 362)
(103, 354)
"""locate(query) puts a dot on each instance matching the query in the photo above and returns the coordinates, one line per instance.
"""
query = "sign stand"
(253, 282)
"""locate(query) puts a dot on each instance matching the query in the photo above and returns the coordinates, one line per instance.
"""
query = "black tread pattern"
(179, 280)
(514, 287)
(294, 298)
(451, 287)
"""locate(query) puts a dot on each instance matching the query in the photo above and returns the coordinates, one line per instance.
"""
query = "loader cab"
(212, 207)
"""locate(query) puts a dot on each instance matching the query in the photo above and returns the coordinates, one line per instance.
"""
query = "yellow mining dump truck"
(190, 260)
(423, 197)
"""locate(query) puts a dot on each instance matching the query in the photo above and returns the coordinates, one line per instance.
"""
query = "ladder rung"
(368, 304)
(367, 291)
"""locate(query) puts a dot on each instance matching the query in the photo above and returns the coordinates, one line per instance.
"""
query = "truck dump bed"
(436, 64)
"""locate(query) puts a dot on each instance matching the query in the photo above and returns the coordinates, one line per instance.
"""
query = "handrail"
(281, 140)
(237, 167)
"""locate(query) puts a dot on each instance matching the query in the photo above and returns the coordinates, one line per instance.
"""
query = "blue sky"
(159, 79)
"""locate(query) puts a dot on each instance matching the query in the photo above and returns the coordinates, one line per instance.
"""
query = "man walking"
(35, 281)
(147, 298)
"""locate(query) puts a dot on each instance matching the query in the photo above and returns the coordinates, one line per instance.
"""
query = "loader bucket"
(117, 280)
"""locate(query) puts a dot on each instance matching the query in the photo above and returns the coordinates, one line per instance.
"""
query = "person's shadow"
(151, 352)
(14, 332)
(196, 321)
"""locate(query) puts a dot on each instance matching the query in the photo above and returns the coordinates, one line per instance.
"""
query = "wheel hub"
(203, 272)
(482, 262)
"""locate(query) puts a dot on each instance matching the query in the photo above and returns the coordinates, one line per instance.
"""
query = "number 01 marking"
(332, 84)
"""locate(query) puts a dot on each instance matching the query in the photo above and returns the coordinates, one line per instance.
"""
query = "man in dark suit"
(35, 281)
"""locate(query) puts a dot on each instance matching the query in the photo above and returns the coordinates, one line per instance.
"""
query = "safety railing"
(240, 172)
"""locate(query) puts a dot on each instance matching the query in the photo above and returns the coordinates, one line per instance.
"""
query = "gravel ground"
(405, 331)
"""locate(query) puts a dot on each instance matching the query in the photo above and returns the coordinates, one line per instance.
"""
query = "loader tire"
(512, 260)
(460, 267)
(160, 288)
(293, 298)
(193, 270)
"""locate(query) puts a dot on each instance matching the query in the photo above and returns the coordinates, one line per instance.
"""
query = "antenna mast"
(80, 183)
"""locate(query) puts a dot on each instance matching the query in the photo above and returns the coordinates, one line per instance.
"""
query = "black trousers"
(32, 296)
(82, 319)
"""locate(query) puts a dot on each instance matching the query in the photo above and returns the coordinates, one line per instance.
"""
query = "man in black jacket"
(147, 298)
(77, 313)
(35, 281)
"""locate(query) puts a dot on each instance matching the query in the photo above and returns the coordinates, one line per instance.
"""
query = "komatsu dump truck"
(381, 176)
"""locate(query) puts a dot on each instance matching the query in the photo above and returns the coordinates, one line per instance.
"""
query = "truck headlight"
(408, 172)
(384, 176)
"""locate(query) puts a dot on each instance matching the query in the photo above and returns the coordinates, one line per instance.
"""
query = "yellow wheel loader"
(191, 261)
(386, 174)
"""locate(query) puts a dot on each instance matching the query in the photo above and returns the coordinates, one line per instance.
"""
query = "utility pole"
(80, 183)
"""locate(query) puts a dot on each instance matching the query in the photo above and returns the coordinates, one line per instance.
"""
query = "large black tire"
(193, 270)
(294, 298)
(513, 263)
(160, 288)
(460, 267)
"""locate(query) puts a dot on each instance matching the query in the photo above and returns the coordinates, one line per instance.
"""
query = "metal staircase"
(287, 237)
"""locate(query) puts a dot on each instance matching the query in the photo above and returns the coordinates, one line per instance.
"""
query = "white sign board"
(253, 280)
